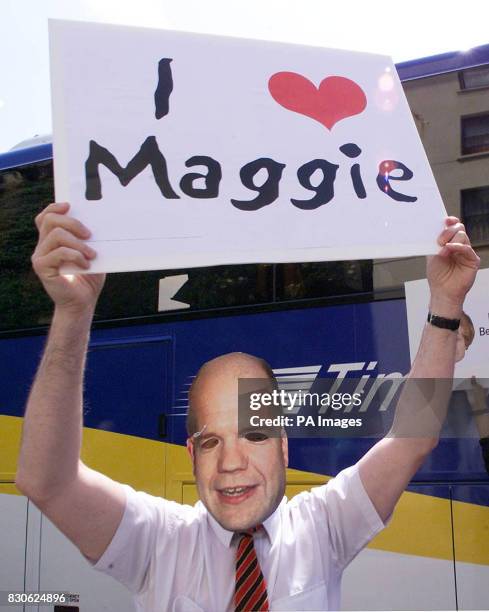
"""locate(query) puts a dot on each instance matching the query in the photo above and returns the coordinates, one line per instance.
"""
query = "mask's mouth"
(233, 491)
(236, 494)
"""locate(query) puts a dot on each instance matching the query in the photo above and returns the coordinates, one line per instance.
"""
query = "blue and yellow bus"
(306, 320)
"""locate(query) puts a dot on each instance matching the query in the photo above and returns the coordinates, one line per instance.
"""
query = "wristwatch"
(437, 321)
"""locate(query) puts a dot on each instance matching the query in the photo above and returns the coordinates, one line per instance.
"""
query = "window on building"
(474, 78)
(475, 134)
(475, 214)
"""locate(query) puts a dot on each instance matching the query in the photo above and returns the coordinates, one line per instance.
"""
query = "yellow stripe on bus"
(421, 524)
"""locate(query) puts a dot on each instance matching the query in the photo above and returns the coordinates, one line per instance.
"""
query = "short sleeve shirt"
(178, 558)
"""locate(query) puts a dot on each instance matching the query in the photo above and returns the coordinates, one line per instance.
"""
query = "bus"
(151, 333)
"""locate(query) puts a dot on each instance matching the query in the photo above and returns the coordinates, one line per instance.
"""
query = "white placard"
(476, 360)
(310, 154)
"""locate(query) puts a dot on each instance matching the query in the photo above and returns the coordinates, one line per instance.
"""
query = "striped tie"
(251, 591)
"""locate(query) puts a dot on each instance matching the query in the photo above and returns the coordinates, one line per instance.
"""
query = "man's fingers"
(56, 207)
(49, 265)
(60, 237)
(451, 220)
(465, 250)
(460, 237)
(453, 233)
(52, 220)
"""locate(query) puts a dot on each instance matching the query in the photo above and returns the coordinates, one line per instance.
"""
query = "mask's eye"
(256, 436)
(208, 443)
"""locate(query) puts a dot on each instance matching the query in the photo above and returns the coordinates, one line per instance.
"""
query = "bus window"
(27, 188)
(136, 293)
(323, 279)
(24, 192)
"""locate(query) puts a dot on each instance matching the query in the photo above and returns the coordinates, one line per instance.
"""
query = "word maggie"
(267, 192)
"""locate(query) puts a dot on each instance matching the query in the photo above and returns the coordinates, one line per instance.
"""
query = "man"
(476, 394)
(477, 397)
(288, 556)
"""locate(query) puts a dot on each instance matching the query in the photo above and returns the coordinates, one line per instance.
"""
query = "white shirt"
(176, 557)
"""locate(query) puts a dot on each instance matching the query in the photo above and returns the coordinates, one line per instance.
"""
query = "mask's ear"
(191, 450)
(285, 449)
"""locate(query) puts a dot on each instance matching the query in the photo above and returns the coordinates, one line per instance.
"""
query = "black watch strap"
(437, 321)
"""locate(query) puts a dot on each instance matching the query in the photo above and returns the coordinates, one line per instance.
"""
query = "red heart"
(335, 99)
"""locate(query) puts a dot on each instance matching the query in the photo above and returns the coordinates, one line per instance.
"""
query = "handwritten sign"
(181, 150)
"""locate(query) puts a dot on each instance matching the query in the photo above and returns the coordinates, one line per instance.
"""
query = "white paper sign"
(476, 360)
(181, 150)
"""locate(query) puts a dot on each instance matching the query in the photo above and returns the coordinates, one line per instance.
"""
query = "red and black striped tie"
(251, 591)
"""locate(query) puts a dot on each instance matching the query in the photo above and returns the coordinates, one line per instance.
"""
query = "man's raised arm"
(85, 505)
(387, 467)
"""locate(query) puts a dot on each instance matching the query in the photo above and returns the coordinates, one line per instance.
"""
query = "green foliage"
(23, 194)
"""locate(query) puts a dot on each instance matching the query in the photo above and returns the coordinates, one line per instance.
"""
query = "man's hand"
(61, 242)
(452, 272)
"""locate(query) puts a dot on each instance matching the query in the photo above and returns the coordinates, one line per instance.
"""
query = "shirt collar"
(271, 526)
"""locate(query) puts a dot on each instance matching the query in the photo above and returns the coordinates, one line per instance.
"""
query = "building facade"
(449, 99)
